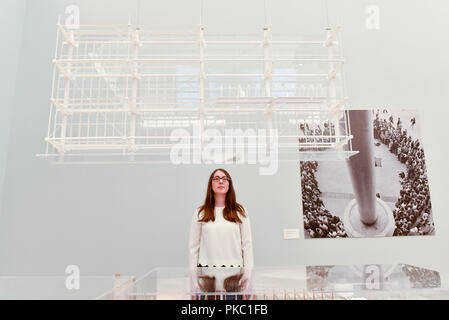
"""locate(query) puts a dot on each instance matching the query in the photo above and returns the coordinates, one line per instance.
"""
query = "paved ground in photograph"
(406, 116)
(335, 183)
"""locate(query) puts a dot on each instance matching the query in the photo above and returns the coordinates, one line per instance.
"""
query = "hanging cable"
(265, 12)
(201, 17)
(327, 12)
(138, 12)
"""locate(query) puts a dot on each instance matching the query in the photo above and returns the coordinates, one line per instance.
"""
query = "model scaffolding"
(123, 92)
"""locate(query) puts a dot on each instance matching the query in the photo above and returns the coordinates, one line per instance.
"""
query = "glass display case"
(318, 282)
(323, 282)
(59, 287)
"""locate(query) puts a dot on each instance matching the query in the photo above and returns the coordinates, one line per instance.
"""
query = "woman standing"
(220, 232)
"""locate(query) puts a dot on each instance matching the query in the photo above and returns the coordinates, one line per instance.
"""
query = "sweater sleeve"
(247, 243)
(194, 240)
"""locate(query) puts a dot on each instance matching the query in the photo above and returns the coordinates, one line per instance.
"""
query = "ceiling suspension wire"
(139, 4)
(326, 9)
(265, 11)
(266, 8)
(201, 17)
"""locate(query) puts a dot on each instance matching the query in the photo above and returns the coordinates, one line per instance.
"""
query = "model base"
(355, 228)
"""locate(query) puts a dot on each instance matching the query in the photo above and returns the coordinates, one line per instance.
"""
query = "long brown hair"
(232, 283)
(207, 284)
(231, 209)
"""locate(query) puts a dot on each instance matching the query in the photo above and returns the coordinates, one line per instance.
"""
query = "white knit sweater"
(220, 242)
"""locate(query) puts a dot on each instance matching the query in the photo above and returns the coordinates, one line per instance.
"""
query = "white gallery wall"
(12, 17)
(129, 219)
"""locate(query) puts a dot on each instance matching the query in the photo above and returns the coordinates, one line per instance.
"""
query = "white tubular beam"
(202, 75)
(338, 107)
(310, 60)
(119, 138)
(65, 71)
(170, 42)
(268, 74)
(53, 86)
(68, 36)
(268, 64)
(201, 79)
(66, 97)
(342, 141)
(336, 70)
(125, 60)
(242, 42)
(61, 107)
(128, 104)
(130, 109)
(133, 69)
(127, 108)
(299, 42)
(305, 75)
(331, 36)
(133, 102)
(135, 38)
(230, 75)
(57, 146)
(332, 93)
(124, 75)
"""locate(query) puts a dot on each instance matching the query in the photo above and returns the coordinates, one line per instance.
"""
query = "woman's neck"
(220, 200)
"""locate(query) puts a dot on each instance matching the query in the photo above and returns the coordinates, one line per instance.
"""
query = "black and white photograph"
(380, 191)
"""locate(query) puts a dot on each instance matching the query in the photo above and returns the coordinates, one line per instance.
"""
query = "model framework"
(120, 91)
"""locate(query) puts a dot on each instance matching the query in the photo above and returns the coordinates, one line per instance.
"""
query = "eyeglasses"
(217, 179)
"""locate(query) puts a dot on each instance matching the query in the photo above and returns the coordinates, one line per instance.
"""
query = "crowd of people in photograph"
(318, 221)
(317, 277)
(422, 278)
(412, 211)
(311, 135)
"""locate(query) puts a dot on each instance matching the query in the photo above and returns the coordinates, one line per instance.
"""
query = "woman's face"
(220, 184)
